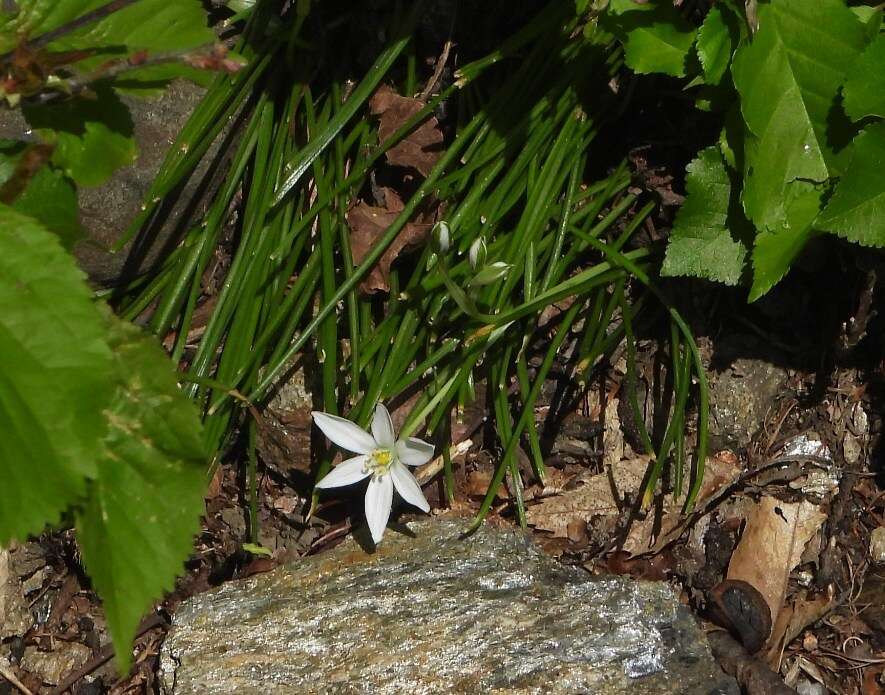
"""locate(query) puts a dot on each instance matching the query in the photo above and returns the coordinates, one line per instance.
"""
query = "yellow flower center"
(379, 461)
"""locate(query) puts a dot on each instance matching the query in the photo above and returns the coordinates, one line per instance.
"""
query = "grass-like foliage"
(401, 319)
(468, 247)
(799, 86)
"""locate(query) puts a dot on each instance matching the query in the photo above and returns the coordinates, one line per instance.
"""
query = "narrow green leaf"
(788, 77)
(35, 17)
(656, 37)
(775, 250)
(857, 209)
(136, 527)
(864, 89)
(92, 137)
(718, 38)
(706, 237)
(54, 384)
(306, 157)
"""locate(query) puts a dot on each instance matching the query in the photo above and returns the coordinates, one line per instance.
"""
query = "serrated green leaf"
(152, 25)
(864, 89)
(149, 25)
(35, 17)
(151, 81)
(92, 136)
(49, 196)
(731, 139)
(656, 37)
(136, 527)
(718, 38)
(871, 18)
(775, 250)
(707, 237)
(856, 210)
(788, 77)
(55, 380)
(155, 26)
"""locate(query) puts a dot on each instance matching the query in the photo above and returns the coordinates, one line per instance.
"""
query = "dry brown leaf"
(478, 482)
(720, 470)
(871, 677)
(771, 546)
(422, 148)
(791, 621)
(595, 498)
(368, 224)
(614, 449)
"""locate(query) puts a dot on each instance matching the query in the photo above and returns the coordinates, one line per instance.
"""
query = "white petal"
(414, 452)
(344, 433)
(382, 427)
(346, 473)
(379, 497)
(407, 486)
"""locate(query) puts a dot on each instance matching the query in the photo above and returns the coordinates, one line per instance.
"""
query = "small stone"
(35, 581)
(740, 396)
(430, 612)
(233, 517)
(28, 558)
(852, 448)
(53, 666)
(877, 545)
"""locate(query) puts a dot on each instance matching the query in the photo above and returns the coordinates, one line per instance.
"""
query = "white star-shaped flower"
(382, 456)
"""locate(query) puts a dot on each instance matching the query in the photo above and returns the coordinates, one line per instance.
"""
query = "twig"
(437, 72)
(426, 473)
(75, 85)
(11, 677)
(106, 654)
(856, 328)
(112, 69)
(328, 536)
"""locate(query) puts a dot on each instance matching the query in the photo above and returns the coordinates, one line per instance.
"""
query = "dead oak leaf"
(420, 149)
(601, 495)
(772, 545)
(369, 223)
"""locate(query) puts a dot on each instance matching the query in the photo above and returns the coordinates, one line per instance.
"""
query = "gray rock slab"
(428, 612)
